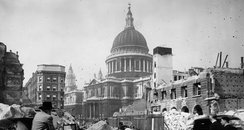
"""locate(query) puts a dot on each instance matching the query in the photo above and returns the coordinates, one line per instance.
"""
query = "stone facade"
(47, 84)
(11, 77)
(104, 98)
(73, 102)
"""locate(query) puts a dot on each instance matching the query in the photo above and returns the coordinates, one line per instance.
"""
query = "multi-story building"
(129, 71)
(11, 77)
(47, 84)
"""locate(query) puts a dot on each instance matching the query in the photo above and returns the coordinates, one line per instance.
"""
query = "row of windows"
(51, 79)
(49, 97)
(183, 92)
(48, 88)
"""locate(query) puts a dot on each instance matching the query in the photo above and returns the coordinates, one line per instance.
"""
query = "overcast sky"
(81, 32)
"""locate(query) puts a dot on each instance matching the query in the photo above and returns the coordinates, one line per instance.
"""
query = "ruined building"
(11, 77)
(206, 91)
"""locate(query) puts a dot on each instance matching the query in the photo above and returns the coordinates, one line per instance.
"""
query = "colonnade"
(129, 65)
(94, 110)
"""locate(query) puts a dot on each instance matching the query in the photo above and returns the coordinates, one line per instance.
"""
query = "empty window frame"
(184, 91)
(196, 89)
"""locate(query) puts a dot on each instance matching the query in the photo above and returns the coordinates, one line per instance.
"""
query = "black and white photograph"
(121, 64)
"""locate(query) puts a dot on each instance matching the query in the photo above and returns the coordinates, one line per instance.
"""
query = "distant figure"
(216, 125)
(121, 126)
(225, 121)
(43, 119)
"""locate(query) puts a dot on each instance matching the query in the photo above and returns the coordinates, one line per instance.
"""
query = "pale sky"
(81, 32)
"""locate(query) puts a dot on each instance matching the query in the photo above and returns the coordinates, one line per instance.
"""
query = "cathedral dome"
(129, 58)
(129, 37)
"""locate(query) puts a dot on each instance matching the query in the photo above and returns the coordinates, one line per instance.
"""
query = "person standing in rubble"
(225, 121)
(216, 125)
(43, 120)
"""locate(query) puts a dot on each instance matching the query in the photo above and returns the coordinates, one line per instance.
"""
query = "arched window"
(197, 110)
(185, 109)
(165, 109)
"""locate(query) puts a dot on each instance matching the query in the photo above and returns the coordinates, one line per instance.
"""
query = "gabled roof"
(93, 82)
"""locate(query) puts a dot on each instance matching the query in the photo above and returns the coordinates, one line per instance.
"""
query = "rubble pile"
(15, 111)
(101, 125)
(63, 118)
(184, 121)
(176, 120)
(10, 114)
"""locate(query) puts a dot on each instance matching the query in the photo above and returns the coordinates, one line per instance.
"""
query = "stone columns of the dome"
(135, 67)
(120, 65)
(111, 67)
(115, 62)
(114, 68)
(143, 65)
(117, 65)
(148, 66)
(130, 65)
(125, 65)
(139, 65)
(108, 67)
(110, 64)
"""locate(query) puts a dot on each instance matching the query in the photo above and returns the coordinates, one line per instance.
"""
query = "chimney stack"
(242, 64)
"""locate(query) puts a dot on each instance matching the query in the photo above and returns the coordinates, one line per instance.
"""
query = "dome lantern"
(129, 20)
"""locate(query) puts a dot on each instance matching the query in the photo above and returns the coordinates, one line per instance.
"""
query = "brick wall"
(229, 84)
